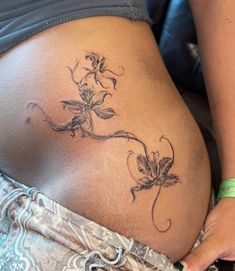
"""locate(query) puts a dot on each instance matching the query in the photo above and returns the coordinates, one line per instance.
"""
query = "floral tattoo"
(94, 87)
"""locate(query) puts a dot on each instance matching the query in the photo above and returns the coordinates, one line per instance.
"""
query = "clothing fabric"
(21, 19)
(38, 234)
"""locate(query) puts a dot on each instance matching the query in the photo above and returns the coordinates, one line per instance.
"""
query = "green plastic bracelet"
(227, 189)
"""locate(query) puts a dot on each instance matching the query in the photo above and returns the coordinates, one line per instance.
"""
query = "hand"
(219, 239)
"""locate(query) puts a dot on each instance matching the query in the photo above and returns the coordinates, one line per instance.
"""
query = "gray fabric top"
(20, 19)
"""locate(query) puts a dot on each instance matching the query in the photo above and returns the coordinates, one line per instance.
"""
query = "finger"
(203, 256)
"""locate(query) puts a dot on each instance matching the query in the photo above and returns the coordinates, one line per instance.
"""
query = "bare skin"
(216, 43)
(92, 176)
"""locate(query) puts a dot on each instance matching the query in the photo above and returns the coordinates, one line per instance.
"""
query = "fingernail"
(181, 266)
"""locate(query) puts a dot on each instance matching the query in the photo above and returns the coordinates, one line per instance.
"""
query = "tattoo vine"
(94, 87)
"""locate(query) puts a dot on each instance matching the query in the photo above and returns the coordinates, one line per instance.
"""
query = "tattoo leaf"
(104, 113)
(73, 105)
(78, 120)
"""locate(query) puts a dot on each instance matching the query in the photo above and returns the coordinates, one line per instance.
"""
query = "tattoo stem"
(152, 212)
(172, 150)
(59, 128)
(118, 134)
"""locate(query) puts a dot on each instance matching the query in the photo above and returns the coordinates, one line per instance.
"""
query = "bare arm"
(216, 33)
(216, 36)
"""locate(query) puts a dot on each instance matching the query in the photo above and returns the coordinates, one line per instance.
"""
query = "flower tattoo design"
(99, 70)
(155, 172)
(94, 86)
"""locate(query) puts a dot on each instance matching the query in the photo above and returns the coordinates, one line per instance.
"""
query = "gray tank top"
(21, 19)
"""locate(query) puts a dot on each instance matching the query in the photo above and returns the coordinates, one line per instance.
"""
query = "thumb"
(202, 257)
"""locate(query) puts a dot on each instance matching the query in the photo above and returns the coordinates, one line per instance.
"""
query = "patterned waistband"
(28, 219)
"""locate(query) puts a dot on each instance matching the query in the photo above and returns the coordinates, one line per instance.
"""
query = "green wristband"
(227, 189)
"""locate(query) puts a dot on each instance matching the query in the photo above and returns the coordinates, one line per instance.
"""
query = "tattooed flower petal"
(142, 164)
(87, 94)
(155, 157)
(114, 81)
(165, 164)
(92, 57)
(152, 168)
(102, 66)
(170, 180)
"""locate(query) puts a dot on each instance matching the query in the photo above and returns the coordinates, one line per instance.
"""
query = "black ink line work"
(155, 172)
(93, 90)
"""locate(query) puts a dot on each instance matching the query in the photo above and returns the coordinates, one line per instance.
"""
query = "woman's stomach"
(90, 116)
